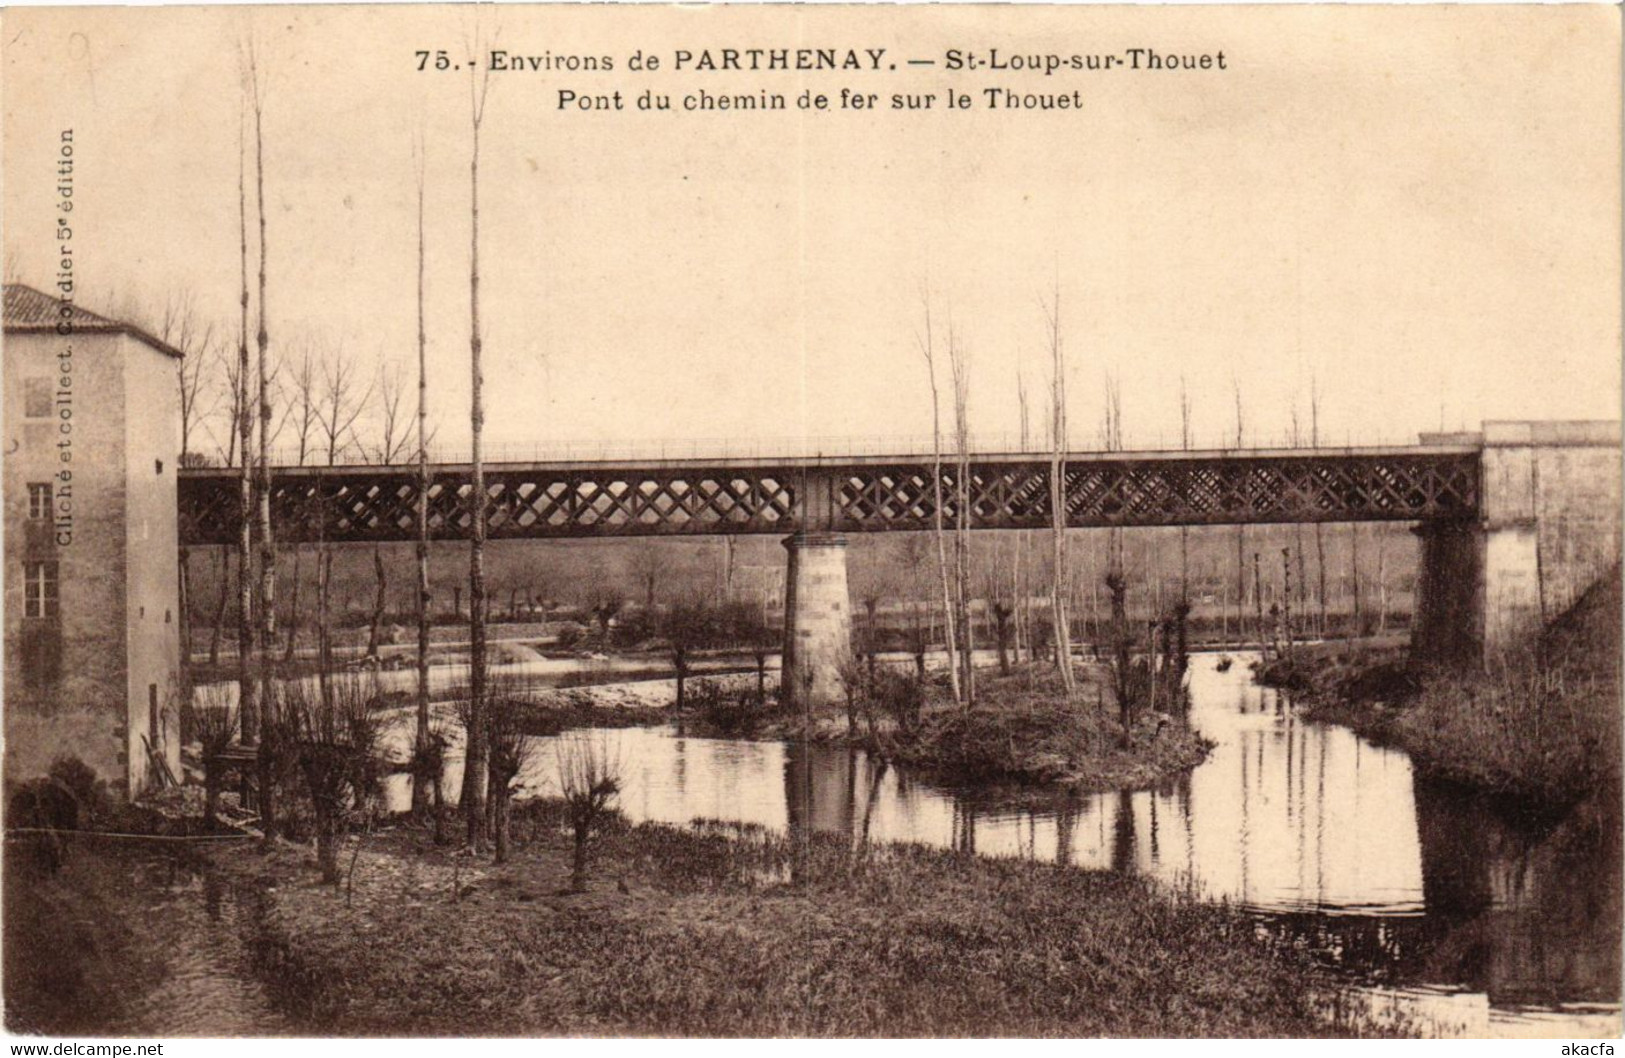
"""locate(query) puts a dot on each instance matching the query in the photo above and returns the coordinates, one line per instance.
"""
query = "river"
(1452, 914)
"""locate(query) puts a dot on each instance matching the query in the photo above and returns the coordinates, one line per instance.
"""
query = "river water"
(1454, 916)
(1433, 907)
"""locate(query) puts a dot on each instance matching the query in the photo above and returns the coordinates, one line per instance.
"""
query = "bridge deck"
(852, 494)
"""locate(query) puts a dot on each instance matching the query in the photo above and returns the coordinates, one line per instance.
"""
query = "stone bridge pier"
(817, 619)
(1547, 529)
(817, 607)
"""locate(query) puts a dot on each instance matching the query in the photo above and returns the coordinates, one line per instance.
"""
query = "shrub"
(729, 713)
(80, 780)
(510, 748)
(900, 697)
(633, 628)
(427, 768)
(45, 805)
(211, 717)
(331, 736)
(64, 799)
(590, 780)
(1528, 733)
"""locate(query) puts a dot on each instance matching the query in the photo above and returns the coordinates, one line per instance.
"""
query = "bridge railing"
(804, 447)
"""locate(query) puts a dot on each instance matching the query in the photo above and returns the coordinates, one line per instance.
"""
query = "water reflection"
(132, 940)
(522, 666)
(1329, 837)
(1284, 815)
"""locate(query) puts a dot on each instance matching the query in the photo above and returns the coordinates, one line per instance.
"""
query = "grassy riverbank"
(555, 712)
(735, 932)
(1022, 730)
(1540, 731)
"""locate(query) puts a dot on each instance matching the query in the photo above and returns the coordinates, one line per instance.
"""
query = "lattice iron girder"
(379, 504)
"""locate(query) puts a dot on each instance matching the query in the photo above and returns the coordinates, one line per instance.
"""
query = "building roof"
(28, 311)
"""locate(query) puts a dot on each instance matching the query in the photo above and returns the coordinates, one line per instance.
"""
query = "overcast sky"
(1417, 207)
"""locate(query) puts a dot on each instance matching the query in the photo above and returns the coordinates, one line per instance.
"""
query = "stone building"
(92, 661)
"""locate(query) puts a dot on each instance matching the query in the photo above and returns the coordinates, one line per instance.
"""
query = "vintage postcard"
(833, 521)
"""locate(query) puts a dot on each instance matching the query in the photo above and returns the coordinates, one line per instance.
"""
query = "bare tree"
(1023, 541)
(1258, 607)
(959, 371)
(304, 399)
(302, 414)
(1320, 529)
(392, 445)
(872, 583)
(1122, 632)
(1057, 497)
(729, 559)
(1241, 530)
(180, 329)
(394, 440)
(247, 693)
(231, 379)
(915, 557)
(602, 598)
(1354, 579)
(428, 770)
(340, 406)
(510, 750)
(331, 737)
(1382, 580)
(927, 344)
(475, 761)
(998, 593)
(267, 542)
(590, 780)
(687, 625)
(648, 566)
(1301, 584)
(1286, 630)
(1184, 530)
(1111, 439)
(336, 414)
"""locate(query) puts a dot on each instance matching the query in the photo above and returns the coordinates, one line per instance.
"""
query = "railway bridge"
(1516, 520)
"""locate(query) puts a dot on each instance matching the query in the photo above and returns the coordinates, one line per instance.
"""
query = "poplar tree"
(420, 790)
(927, 345)
(475, 758)
(1057, 497)
(267, 542)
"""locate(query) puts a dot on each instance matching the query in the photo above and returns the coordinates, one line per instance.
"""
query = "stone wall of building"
(152, 612)
(66, 687)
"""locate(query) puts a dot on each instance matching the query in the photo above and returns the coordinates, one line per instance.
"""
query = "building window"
(39, 499)
(39, 589)
(36, 398)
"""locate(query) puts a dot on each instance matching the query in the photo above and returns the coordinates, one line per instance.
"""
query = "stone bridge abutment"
(1546, 530)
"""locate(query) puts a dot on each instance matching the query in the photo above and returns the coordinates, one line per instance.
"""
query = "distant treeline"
(890, 574)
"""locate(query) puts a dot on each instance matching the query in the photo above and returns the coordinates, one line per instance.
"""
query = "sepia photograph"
(811, 521)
